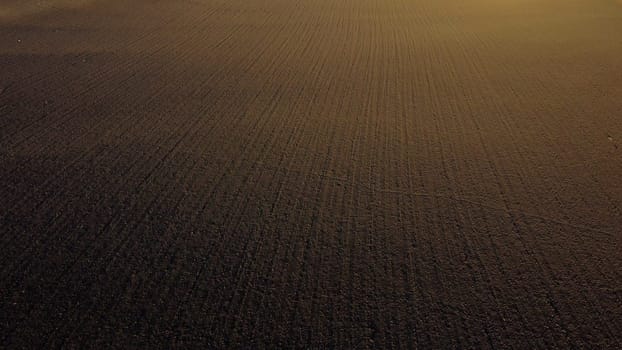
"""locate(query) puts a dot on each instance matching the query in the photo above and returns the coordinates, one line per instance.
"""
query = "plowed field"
(311, 174)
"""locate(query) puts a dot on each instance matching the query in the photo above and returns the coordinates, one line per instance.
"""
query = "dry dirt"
(311, 173)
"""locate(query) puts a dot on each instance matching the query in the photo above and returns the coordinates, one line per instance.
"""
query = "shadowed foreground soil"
(312, 173)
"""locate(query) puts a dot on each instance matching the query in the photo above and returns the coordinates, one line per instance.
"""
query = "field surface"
(311, 173)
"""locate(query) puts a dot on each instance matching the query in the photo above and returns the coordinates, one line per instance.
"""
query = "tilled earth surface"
(312, 173)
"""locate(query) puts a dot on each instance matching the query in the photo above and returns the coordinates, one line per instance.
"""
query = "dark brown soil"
(311, 173)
